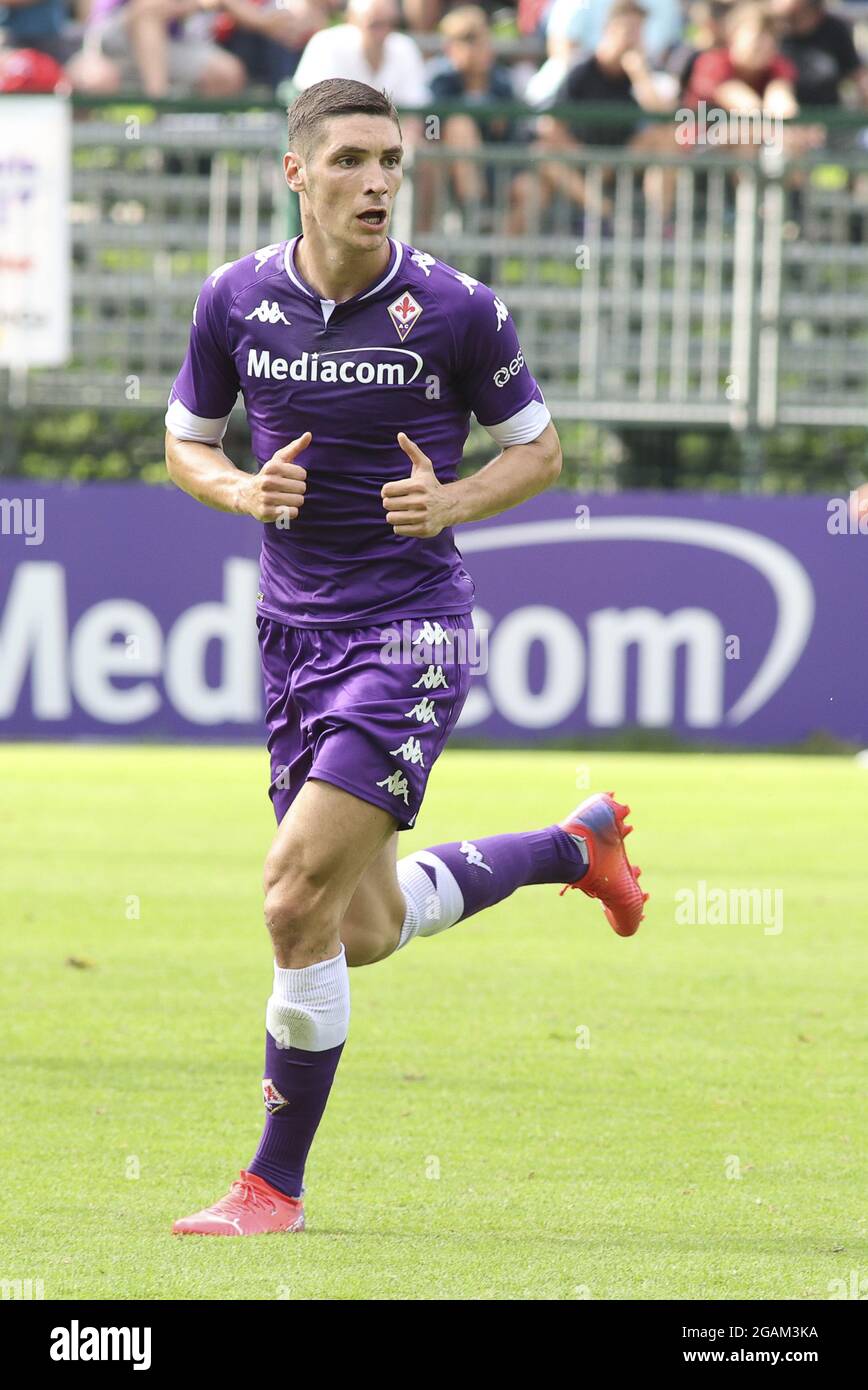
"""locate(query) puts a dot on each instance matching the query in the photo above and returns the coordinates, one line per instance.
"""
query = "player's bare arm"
(420, 505)
(275, 493)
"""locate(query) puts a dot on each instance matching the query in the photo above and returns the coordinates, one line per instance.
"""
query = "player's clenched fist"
(418, 505)
(276, 492)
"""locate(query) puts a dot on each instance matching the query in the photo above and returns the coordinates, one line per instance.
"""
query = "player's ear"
(293, 170)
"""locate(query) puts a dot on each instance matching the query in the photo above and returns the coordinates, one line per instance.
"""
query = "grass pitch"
(705, 1143)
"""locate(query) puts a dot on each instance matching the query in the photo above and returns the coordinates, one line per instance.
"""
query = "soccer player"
(360, 360)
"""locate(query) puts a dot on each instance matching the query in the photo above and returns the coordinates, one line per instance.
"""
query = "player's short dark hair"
(336, 96)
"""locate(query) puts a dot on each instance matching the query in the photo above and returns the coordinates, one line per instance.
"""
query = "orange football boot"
(599, 823)
(251, 1207)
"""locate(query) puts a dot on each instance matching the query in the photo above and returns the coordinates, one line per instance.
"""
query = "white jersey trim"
(287, 265)
(183, 424)
(399, 256)
(381, 284)
(528, 424)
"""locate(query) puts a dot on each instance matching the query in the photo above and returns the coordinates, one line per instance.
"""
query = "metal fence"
(744, 304)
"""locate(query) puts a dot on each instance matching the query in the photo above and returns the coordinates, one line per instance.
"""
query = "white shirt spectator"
(337, 52)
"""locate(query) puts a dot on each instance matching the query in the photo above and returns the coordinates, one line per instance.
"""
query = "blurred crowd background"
(657, 54)
(692, 296)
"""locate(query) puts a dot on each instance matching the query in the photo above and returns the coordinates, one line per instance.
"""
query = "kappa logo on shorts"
(274, 1101)
(432, 679)
(432, 634)
(410, 750)
(397, 784)
(404, 311)
(423, 712)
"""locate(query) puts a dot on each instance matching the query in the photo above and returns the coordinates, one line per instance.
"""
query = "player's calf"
(372, 923)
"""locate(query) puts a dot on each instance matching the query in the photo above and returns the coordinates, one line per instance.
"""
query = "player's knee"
(296, 905)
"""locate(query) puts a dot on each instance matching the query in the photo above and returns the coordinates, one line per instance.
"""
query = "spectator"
(749, 74)
(618, 72)
(820, 46)
(423, 16)
(267, 36)
(37, 24)
(573, 28)
(367, 49)
(469, 72)
(708, 19)
(750, 78)
(581, 23)
(151, 46)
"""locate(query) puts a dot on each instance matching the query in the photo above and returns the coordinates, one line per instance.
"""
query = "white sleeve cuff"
(183, 424)
(528, 424)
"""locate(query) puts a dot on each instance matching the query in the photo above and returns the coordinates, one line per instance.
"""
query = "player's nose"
(377, 185)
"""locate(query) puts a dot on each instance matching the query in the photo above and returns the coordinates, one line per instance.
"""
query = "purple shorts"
(368, 709)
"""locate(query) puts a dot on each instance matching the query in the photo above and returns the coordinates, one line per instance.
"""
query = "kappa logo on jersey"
(474, 856)
(502, 312)
(467, 281)
(274, 1101)
(404, 312)
(265, 253)
(268, 311)
(397, 784)
(221, 270)
(424, 262)
(214, 277)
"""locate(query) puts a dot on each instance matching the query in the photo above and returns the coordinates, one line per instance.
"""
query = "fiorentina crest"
(404, 312)
(274, 1101)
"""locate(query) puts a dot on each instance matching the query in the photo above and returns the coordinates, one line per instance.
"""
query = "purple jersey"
(418, 351)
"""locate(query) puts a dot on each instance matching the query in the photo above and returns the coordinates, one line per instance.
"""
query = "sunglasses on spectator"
(472, 36)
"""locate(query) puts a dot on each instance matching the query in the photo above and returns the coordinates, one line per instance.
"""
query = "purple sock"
(490, 869)
(295, 1088)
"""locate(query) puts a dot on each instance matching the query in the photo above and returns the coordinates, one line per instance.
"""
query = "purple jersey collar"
(397, 255)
